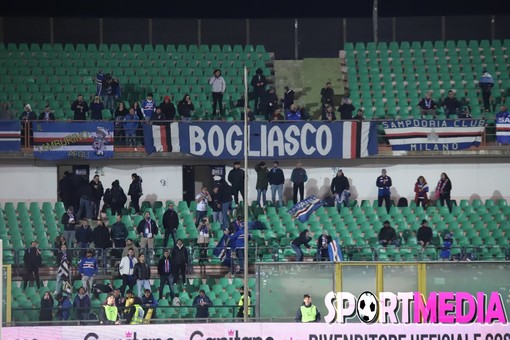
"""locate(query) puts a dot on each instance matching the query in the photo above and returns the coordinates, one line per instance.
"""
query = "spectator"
(259, 83)
(158, 118)
(135, 191)
(262, 182)
(59, 241)
(204, 234)
(66, 189)
(138, 110)
(88, 270)
(443, 190)
(384, 184)
(308, 312)
(464, 113)
(46, 311)
(327, 95)
(446, 249)
(203, 198)
(109, 313)
(63, 307)
(288, 98)
(226, 202)
(249, 114)
(101, 236)
(202, 303)
(388, 235)
(142, 273)
(33, 261)
(147, 229)
(105, 287)
(277, 116)
(215, 205)
(84, 236)
(424, 236)
(165, 274)
(270, 103)
(167, 108)
(185, 108)
(109, 89)
(149, 304)
(47, 115)
(64, 261)
(26, 117)
(303, 239)
(359, 115)
(5, 112)
(427, 105)
(276, 179)
(451, 105)
(298, 179)
(118, 198)
(81, 305)
(85, 202)
(96, 109)
(69, 221)
(218, 87)
(339, 186)
(118, 235)
(126, 270)
(170, 224)
(486, 84)
(236, 179)
(97, 194)
(80, 108)
(131, 125)
(130, 245)
(421, 189)
(346, 109)
(120, 113)
(322, 246)
(135, 312)
(293, 113)
(148, 107)
(328, 113)
(240, 304)
(180, 261)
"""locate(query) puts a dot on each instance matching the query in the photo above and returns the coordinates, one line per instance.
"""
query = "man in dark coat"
(86, 198)
(97, 194)
(269, 103)
(338, 185)
(165, 274)
(66, 189)
(135, 191)
(80, 108)
(236, 179)
(303, 239)
(32, 260)
(147, 229)
(118, 198)
(259, 83)
(179, 261)
(102, 236)
(388, 235)
(327, 95)
(167, 108)
(170, 223)
(288, 98)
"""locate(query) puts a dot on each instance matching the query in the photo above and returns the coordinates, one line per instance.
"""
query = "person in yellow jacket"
(240, 312)
(308, 312)
(136, 312)
(109, 313)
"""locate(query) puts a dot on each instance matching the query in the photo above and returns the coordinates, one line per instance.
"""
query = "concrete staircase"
(307, 77)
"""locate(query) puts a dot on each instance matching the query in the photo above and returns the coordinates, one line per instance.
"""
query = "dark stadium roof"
(250, 8)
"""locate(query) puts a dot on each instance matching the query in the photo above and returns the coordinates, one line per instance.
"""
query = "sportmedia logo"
(232, 335)
(439, 307)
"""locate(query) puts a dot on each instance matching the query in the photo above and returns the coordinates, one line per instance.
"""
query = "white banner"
(263, 331)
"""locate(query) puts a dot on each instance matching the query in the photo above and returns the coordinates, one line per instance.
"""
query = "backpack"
(118, 197)
(107, 198)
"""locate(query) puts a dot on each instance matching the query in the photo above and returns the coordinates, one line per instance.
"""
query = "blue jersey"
(148, 108)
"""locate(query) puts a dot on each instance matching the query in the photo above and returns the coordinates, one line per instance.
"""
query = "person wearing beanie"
(259, 83)
(118, 198)
(486, 84)
(167, 108)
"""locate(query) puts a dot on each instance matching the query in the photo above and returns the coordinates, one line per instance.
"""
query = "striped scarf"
(63, 268)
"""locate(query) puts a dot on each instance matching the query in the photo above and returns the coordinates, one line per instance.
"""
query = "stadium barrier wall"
(263, 331)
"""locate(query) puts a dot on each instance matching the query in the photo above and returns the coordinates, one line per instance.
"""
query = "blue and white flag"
(10, 135)
(223, 140)
(503, 127)
(305, 208)
(223, 252)
(335, 252)
(433, 135)
(63, 140)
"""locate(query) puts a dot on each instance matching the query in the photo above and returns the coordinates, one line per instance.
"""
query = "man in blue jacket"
(88, 270)
(64, 307)
(237, 240)
(276, 179)
(384, 184)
